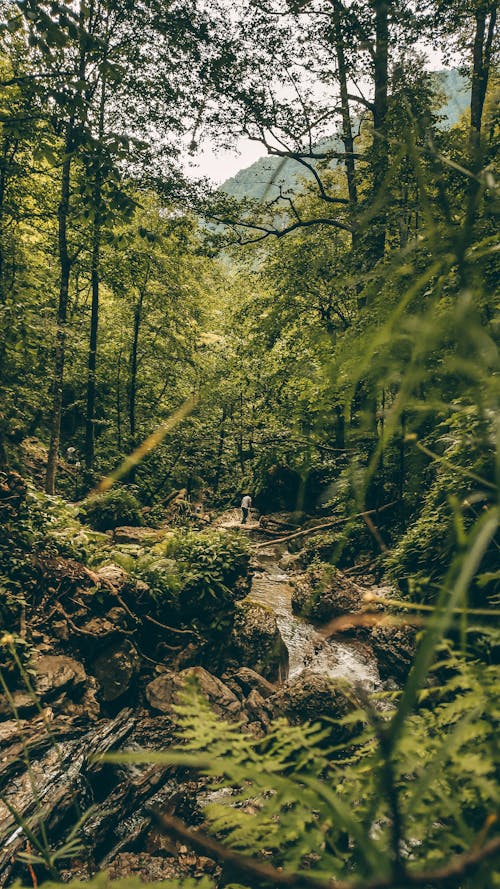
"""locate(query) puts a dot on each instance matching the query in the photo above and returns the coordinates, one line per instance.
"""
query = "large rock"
(324, 593)
(22, 702)
(256, 641)
(115, 669)
(113, 575)
(249, 680)
(55, 673)
(61, 682)
(256, 708)
(312, 697)
(138, 535)
(113, 622)
(162, 693)
(394, 648)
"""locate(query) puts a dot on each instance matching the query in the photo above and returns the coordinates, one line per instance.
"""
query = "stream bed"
(307, 647)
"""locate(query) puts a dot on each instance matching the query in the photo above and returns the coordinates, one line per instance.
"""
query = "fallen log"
(45, 793)
(326, 525)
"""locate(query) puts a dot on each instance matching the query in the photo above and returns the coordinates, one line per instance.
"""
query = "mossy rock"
(256, 641)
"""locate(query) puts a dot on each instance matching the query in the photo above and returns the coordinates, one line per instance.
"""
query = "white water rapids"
(306, 646)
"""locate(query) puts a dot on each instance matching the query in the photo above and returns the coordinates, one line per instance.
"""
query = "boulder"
(113, 622)
(312, 697)
(289, 562)
(138, 535)
(22, 702)
(55, 673)
(256, 641)
(162, 693)
(248, 680)
(113, 575)
(323, 593)
(115, 668)
(255, 706)
(56, 676)
(394, 649)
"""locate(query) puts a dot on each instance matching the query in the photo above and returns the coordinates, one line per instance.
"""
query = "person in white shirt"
(246, 505)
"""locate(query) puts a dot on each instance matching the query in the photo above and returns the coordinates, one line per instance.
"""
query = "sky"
(219, 165)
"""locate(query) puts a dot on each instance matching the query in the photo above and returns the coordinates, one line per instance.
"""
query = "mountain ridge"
(255, 180)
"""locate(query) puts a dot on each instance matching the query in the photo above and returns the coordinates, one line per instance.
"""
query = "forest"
(249, 444)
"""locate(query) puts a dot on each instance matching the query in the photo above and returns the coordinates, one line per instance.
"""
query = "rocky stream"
(95, 686)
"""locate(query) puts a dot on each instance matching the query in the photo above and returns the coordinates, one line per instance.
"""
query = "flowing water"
(307, 648)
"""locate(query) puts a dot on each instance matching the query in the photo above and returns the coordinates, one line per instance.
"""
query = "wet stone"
(256, 640)
(249, 680)
(115, 669)
(162, 693)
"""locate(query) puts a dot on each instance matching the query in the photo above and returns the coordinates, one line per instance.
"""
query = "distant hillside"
(261, 176)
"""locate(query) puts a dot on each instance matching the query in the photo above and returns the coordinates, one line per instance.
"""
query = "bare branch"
(362, 101)
(267, 231)
(267, 873)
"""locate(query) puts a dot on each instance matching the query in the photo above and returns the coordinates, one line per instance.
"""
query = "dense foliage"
(328, 343)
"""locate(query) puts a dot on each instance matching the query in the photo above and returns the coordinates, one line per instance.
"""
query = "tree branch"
(267, 873)
(266, 231)
(326, 525)
(362, 101)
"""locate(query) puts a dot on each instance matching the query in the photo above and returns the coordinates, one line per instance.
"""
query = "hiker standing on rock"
(246, 505)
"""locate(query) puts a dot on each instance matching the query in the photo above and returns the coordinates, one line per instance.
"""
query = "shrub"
(455, 497)
(56, 527)
(111, 509)
(163, 580)
(213, 569)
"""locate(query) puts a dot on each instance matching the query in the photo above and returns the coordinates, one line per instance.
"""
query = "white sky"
(219, 165)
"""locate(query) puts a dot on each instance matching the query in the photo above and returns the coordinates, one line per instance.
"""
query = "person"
(246, 504)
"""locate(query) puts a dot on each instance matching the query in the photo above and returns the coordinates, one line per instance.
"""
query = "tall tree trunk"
(9, 150)
(133, 371)
(132, 389)
(95, 281)
(62, 314)
(347, 137)
(481, 62)
(220, 449)
(92, 356)
(3, 299)
(483, 43)
(380, 151)
(241, 457)
(119, 401)
(65, 260)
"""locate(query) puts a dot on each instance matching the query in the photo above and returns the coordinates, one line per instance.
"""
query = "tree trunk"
(347, 137)
(8, 154)
(481, 61)
(132, 392)
(133, 371)
(380, 150)
(220, 449)
(65, 264)
(3, 300)
(62, 315)
(95, 281)
(119, 401)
